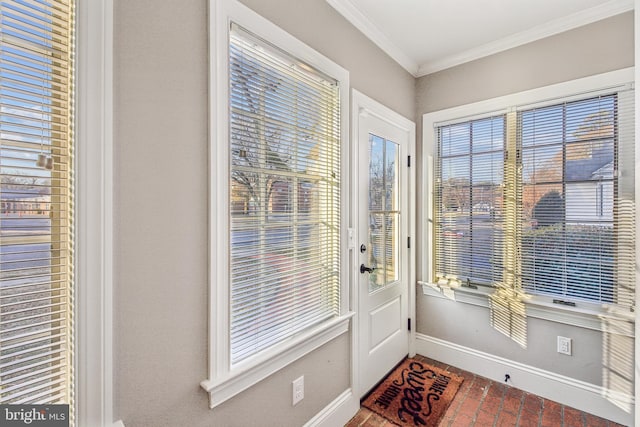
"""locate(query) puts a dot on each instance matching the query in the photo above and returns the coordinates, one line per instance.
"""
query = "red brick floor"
(482, 402)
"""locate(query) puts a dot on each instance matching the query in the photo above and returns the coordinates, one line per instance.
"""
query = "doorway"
(384, 196)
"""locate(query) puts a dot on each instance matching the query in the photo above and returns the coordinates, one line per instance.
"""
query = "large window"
(469, 200)
(571, 211)
(278, 155)
(36, 194)
(285, 196)
(539, 199)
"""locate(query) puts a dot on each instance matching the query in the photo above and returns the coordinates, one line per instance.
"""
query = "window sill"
(603, 318)
(241, 378)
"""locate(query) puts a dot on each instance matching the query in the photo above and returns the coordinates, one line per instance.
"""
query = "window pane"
(542, 126)
(469, 199)
(487, 170)
(383, 214)
(376, 173)
(391, 177)
(488, 134)
(284, 198)
(568, 199)
(455, 139)
(455, 191)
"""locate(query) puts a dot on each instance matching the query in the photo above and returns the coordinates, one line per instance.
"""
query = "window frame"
(225, 381)
(584, 314)
(94, 213)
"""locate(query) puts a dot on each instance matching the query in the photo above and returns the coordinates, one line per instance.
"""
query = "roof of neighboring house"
(604, 172)
(598, 165)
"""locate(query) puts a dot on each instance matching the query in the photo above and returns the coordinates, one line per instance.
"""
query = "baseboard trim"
(338, 412)
(118, 423)
(609, 404)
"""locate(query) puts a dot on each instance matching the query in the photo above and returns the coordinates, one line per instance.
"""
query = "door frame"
(363, 106)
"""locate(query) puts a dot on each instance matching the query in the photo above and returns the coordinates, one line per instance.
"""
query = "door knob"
(364, 269)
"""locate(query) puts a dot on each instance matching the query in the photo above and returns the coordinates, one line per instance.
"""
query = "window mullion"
(512, 196)
(564, 279)
(471, 236)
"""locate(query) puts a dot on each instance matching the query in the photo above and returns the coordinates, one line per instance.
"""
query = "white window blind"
(578, 232)
(36, 196)
(557, 219)
(468, 201)
(285, 195)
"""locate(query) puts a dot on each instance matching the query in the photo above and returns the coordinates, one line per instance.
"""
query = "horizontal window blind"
(558, 219)
(468, 201)
(284, 198)
(36, 196)
(578, 226)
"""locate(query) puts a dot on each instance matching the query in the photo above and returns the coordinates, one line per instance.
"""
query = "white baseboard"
(338, 412)
(609, 404)
(118, 423)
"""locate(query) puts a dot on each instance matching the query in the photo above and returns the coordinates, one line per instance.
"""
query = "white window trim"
(224, 382)
(94, 207)
(586, 315)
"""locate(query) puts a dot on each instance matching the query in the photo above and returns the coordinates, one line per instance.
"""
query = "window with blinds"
(558, 218)
(577, 195)
(469, 208)
(284, 198)
(36, 201)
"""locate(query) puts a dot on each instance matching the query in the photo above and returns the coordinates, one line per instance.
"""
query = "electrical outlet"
(298, 390)
(564, 345)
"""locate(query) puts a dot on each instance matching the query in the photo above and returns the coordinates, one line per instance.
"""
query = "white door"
(382, 248)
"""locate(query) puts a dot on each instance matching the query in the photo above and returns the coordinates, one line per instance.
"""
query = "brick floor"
(481, 402)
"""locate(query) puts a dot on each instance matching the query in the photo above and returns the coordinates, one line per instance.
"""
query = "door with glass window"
(383, 247)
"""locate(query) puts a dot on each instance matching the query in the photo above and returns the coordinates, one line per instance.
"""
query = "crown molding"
(556, 26)
(350, 12)
(371, 31)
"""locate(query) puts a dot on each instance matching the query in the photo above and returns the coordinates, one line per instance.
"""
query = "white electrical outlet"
(564, 345)
(298, 390)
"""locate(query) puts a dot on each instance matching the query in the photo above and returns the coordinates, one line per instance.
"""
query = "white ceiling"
(425, 36)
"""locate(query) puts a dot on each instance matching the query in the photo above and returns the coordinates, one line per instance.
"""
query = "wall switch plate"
(298, 389)
(564, 345)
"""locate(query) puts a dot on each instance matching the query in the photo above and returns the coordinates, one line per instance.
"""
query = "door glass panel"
(384, 216)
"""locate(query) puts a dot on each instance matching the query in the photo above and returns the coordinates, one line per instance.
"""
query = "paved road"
(26, 223)
(23, 256)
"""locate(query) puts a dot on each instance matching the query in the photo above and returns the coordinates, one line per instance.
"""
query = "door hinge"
(409, 324)
(409, 242)
(408, 161)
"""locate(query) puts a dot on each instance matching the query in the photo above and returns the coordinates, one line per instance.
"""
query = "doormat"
(414, 394)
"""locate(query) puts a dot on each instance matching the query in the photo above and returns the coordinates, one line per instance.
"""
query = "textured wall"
(161, 66)
(161, 143)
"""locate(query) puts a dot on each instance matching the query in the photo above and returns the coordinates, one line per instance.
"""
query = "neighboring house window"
(37, 220)
(278, 156)
(539, 200)
(285, 196)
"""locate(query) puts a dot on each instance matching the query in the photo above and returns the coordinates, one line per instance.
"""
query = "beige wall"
(596, 48)
(160, 199)
(371, 71)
